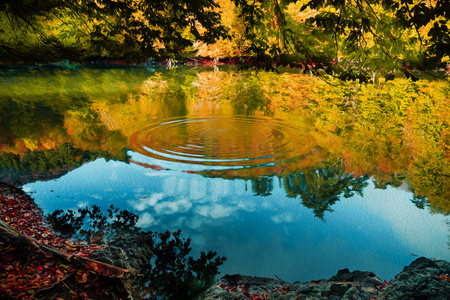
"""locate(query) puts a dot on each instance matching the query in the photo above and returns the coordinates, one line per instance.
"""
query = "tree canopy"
(134, 29)
(350, 39)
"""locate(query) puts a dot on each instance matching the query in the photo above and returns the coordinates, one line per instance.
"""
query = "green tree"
(350, 39)
(135, 30)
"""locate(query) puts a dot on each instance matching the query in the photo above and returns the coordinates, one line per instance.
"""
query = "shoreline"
(424, 278)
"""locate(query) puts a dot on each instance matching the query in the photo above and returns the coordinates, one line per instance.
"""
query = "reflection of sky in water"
(260, 236)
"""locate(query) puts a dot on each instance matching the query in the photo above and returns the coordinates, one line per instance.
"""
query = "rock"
(128, 252)
(423, 279)
(346, 275)
(244, 287)
(345, 285)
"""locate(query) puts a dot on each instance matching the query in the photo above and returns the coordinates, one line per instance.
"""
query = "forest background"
(349, 39)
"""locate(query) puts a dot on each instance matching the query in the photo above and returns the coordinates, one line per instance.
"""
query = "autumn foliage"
(35, 262)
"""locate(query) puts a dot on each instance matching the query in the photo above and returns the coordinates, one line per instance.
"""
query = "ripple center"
(222, 141)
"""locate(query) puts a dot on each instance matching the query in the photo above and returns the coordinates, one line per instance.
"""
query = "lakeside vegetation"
(348, 39)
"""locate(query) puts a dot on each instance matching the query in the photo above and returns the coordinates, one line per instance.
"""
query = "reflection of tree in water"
(419, 200)
(26, 119)
(170, 273)
(262, 186)
(319, 189)
(19, 169)
(173, 274)
(91, 226)
(392, 179)
(249, 97)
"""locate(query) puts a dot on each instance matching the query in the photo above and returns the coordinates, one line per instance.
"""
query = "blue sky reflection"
(260, 236)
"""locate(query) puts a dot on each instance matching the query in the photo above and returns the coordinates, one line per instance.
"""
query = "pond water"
(283, 174)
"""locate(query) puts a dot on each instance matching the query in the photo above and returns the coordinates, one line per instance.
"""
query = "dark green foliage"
(420, 201)
(349, 39)
(46, 160)
(262, 186)
(395, 180)
(173, 274)
(90, 225)
(15, 123)
(125, 28)
(320, 189)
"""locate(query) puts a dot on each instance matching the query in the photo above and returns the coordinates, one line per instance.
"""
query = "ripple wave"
(222, 141)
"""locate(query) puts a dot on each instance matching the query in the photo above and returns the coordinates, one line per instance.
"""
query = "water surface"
(282, 174)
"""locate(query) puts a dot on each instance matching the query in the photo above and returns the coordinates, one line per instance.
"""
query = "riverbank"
(36, 263)
(101, 61)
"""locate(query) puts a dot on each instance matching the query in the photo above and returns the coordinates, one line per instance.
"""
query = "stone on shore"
(127, 252)
(422, 279)
(345, 285)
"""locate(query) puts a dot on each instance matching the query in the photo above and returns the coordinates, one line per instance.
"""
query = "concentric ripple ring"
(222, 141)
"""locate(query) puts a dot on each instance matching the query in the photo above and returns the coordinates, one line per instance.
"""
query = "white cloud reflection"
(82, 204)
(146, 220)
(172, 207)
(219, 188)
(169, 185)
(215, 211)
(145, 202)
(286, 217)
(197, 189)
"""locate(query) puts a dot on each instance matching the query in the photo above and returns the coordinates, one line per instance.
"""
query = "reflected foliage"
(262, 186)
(420, 201)
(16, 124)
(173, 274)
(64, 156)
(170, 274)
(250, 97)
(91, 226)
(319, 189)
(19, 169)
(394, 180)
(395, 131)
